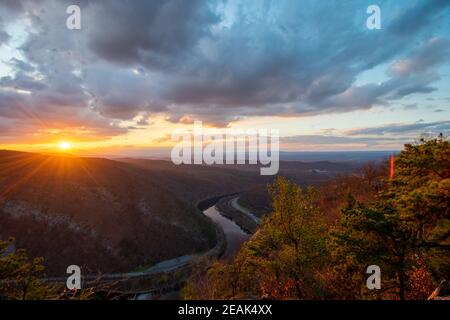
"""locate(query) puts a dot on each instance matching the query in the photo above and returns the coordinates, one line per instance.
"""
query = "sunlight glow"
(64, 145)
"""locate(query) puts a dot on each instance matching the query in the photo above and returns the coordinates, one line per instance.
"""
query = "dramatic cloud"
(394, 135)
(216, 61)
(151, 33)
(435, 51)
(396, 128)
(327, 142)
(321, 139)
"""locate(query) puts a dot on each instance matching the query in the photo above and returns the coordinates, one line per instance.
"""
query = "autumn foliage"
(318, 244)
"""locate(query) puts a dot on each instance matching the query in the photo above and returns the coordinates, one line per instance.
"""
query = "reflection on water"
(235, 236)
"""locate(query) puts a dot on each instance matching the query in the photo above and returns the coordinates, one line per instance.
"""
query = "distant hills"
(337, 156)
(302, 156)
(107, 215)
(114, 215)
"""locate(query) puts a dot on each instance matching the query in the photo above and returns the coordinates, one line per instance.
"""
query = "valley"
(119, 215)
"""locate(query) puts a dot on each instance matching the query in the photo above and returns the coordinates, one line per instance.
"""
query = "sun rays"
(64, 146)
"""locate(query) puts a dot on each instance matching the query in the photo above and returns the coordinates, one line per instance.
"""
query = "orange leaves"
(420, 283)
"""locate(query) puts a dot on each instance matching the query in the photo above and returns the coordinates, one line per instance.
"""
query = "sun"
(64, 145)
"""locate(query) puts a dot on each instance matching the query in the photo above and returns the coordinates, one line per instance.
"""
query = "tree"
(19, 277)
(292, 239)
(283, 259)
(406, 223)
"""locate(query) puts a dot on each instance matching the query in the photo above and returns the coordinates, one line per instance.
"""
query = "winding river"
(234, 235)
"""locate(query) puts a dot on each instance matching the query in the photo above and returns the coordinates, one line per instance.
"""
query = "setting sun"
(64, 145)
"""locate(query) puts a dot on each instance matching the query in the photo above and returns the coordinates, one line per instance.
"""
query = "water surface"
(234, 235)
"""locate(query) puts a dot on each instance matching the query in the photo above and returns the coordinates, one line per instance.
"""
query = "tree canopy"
(403, 228)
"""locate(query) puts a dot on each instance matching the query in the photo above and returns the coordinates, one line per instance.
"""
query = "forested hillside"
(317, 243)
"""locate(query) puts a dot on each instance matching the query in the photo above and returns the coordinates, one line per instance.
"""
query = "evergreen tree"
(407, 223)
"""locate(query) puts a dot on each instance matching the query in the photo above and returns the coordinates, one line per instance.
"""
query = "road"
(162, 267)
(235, 204)
(171, 264)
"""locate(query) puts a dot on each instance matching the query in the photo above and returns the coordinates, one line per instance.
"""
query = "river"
(234, 235)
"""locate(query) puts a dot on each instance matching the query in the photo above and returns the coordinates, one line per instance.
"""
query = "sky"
(138, 70)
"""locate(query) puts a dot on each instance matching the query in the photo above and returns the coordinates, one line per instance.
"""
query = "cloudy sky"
(137, 70)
